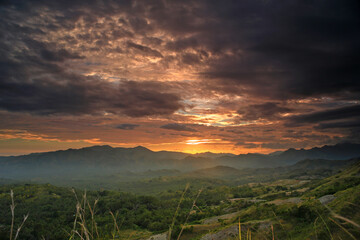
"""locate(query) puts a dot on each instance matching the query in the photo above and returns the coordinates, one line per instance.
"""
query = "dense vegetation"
(288, 208)
(52, 209)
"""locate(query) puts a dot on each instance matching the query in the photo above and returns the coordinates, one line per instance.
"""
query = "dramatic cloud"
(352, 124)
(78, 95)
(178, 127)
(267, 110)
(144, 50)
(245, 75)
(328, 115)
(291, 50)
(127, 126)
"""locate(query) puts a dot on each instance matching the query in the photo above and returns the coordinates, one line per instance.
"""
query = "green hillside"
(289, 208)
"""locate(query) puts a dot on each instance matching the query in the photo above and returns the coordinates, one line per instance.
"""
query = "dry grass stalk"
(21, 225)
(93, 223)
(88, 230)
(347, 220)
(177, 210)
(116, 227)
(187, 217)
(344, 229)
(82, 223)
(343, 218)
(331, 237)
(12, 208)
(79, 235)
(315, 227)
(80, 219)
(239, 229)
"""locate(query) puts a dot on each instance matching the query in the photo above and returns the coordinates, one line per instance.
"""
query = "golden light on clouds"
(180, 76)
(196, 142)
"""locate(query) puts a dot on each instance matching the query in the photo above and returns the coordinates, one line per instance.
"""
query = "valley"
(310, 199)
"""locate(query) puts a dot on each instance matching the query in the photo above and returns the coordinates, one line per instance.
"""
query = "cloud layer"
(248, 74)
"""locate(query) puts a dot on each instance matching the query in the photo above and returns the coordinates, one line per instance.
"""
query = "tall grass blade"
(177, 210)
(116, 226)
(12, 208)
(331, 237)
(343, 218)
(315, 227)
(239, 229)
(344, 229)
(21, 225)
(187, 217)
(93, 223)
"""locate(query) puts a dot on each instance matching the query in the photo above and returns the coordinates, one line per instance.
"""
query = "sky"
(193, 76)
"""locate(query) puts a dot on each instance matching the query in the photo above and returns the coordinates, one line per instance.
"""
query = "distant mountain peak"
(99, 147)
(142, 148)
(338, 145)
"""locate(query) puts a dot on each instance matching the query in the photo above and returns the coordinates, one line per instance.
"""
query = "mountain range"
(107, 160)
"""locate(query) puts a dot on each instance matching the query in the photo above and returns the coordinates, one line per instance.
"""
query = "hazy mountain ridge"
(106, 160)
(302, 168)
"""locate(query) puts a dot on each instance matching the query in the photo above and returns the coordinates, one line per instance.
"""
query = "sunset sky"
(222, 76)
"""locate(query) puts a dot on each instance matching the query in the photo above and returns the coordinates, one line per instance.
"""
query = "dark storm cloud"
(79, 95)
(342, 124)
(190, 59)
(267, 110)
(327, 115)
(145, 99)
(266, 51)
(178, 127)
(290, 50)
(152, 41)
(139, 24)
(60, 55)
(127, 126)
(145, 50)
(344, 119)
(182, 44)
(32, 81)
(278, 50)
